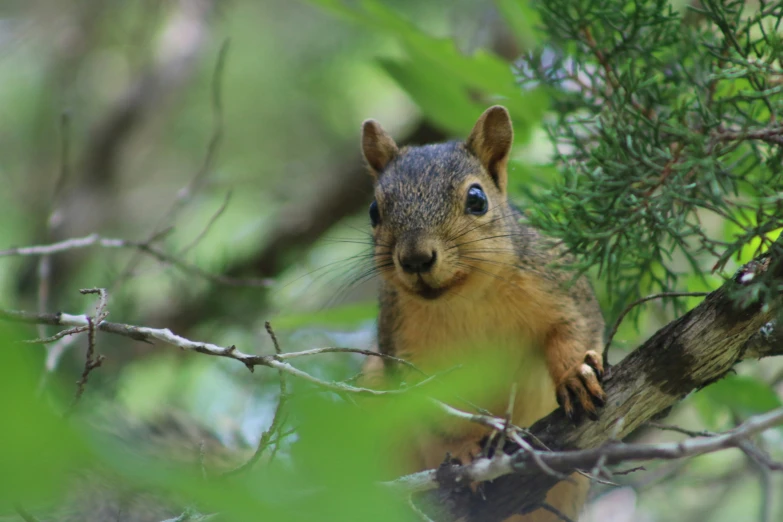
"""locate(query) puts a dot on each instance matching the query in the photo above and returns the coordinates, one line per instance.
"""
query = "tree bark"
(688, 354)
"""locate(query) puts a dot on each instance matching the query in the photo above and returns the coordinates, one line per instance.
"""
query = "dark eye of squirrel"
(375, 216)
(477, 203)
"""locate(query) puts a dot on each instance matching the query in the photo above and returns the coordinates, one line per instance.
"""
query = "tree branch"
(146, 334)
(144, 247)
(691, 352)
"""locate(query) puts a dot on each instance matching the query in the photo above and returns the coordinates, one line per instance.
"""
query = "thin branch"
(418, 512)
(501, 425)
(190, 515)
(690, 433)
(59, 335)
(689, 353)
(772, 135)
(54, 219)
(484, 469)
(208, 226)
(277, 418)
(142, 333)
(186, 193)
(145, 247)
(91, 361)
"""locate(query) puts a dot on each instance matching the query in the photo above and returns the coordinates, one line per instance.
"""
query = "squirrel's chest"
(490, 344)
(511, 321)
(455, 331)
(503, 330)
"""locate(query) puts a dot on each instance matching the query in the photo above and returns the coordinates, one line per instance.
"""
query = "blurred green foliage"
(37, 447)
(298, 80)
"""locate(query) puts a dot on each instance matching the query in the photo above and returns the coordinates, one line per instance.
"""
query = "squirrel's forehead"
(412, 184)
(430, 170)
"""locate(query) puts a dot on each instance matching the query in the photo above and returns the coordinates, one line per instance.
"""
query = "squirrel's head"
(440, 215)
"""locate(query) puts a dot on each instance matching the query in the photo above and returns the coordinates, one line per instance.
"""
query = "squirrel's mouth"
(429, 292)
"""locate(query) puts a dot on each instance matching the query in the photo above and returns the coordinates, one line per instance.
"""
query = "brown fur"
(492, 294)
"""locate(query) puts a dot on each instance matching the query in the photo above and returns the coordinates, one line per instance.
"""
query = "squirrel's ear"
(378, 147)
(490, 140)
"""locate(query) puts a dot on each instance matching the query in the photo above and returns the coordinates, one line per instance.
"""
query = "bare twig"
(484, 469)
(767, 493)
(212, 220)
(275, 342)
(145, 247)
(690, 433)
(182, 39)
(752, 451)
(277, 418)
(190, 515)
(489, 421)
(142, 333)
(59, 335)
(599, 465)
(370, 353)
(91, 362)
(301, 223)
(418, 512)
(186, 193)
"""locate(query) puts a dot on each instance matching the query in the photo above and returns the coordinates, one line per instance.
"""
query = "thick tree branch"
(691, 352)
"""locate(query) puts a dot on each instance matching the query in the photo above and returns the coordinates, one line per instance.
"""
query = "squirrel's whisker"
(498, 236)
(462, 232)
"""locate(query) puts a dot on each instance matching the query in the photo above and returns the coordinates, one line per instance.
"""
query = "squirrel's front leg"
(575, 370)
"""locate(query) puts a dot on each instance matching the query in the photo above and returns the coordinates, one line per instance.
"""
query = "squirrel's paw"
(582, 385)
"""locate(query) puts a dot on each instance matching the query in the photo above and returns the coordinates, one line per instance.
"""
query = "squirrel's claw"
(582, 385)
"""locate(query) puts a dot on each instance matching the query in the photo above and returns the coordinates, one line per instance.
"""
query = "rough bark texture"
(691, 352)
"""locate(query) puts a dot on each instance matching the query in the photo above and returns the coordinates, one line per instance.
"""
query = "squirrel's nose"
(418, 262)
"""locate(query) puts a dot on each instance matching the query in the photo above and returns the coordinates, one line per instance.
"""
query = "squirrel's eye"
(375, 216)
(477, 203)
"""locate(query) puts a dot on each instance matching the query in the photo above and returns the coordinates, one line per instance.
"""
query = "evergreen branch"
(643, 157)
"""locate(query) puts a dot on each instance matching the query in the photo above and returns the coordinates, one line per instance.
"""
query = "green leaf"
(522, 19)
(446, 104)
(442, 80)
(38, 447)
(738, 394)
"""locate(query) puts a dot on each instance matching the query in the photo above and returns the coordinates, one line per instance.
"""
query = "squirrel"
(463, 280)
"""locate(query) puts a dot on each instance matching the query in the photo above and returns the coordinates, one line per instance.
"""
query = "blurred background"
(225, 136)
